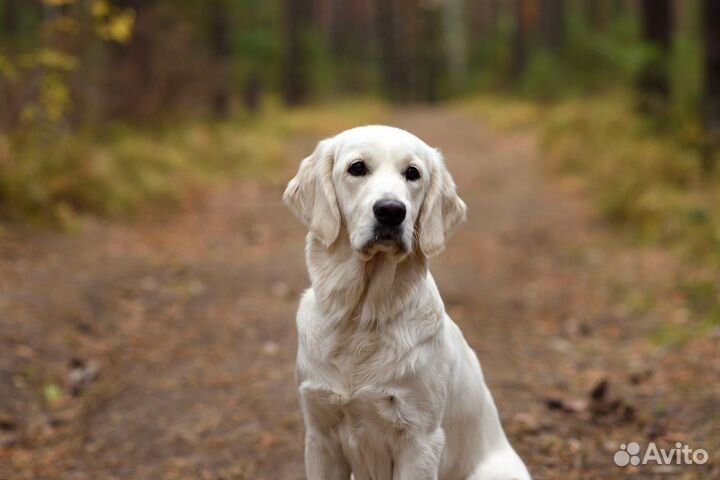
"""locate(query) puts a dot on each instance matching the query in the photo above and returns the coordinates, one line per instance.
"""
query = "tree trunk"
(252, 92)
(482, 19)
(598, 14)
(295, 82)
(518, 60)
(220, 45)
(9, 96)
(493, 15)
(654, 85)
(455, 38)
(392, 65)
(133, 67)
(552, 19)
(593, 11)
(10, 14)
(431, 53)
(711, 38)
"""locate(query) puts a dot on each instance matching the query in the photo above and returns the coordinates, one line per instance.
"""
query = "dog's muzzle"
(388, 228)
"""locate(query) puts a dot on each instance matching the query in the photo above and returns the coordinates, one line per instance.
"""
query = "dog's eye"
(358, 169)
(412, 174)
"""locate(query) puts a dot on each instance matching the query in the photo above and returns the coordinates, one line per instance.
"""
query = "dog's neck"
(368, 293)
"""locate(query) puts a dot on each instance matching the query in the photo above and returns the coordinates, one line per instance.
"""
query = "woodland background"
(98, 95)
(149, 274)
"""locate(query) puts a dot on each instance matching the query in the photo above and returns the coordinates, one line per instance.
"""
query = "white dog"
(389, 388)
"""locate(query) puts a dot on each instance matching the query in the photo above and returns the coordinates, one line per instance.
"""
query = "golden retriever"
(389, 388)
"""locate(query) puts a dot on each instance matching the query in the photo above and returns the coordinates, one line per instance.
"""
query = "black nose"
(389, 212)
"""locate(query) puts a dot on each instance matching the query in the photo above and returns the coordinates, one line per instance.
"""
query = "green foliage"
(319, 65)
(590, 60)
(45, 60)
(489, 59)
(701, 295)
(58, 179)
(613, 58)
(702, 303)
(686, 77)
(546, 76)
(256, 41)
(647, 179)
(651, 185)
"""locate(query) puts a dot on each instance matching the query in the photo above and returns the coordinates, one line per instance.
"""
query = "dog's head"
(386, 187)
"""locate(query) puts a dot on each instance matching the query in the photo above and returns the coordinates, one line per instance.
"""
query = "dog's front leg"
(419, 457)
(324, 458)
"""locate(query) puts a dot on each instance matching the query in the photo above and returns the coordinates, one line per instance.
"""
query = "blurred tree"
(13, 90)
(654, 83)
(483, 19)
(347, 26)
(518, 60)
(257, 48)
(10, 16)
(415, 50)
(431, 52)
(252, 92)
(455, 37)
(599, 14)
(298, 14)
(393, 65)
(594, 13)
(526, 17)
(45, 74)
(618, 7)
(552, 23)
(133, 79)
(711, 35)
(220, 46)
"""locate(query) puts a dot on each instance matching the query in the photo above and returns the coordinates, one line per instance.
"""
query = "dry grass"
(57, 179)
(653, 181)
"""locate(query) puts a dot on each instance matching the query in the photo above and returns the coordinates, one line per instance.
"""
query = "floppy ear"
(311, 194)
(441, 211)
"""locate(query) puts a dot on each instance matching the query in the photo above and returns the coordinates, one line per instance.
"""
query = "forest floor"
(164, 348)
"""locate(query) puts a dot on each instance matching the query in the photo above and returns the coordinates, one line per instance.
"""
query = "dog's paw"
(501, 466)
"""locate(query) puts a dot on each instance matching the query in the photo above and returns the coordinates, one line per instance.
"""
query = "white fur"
(389, 388)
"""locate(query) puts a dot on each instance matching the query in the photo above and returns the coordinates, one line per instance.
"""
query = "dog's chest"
(368, 387)
(370, 407)
(361, 361)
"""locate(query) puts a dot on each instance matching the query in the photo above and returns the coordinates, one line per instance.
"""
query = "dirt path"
(188, 321)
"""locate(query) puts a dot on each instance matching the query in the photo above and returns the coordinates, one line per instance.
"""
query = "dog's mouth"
(385, 239)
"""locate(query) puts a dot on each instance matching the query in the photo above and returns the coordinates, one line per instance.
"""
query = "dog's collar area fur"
(372, 292)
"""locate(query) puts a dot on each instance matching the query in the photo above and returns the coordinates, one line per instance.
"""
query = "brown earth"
(164, 349)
